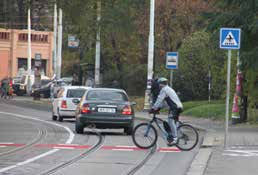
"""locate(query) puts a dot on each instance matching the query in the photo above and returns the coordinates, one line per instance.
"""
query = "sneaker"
(170, 138)
(173, 142)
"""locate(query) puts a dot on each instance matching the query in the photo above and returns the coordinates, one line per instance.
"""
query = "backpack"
(154, 90)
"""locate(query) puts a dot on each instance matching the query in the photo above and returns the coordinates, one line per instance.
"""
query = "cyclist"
(168, 95)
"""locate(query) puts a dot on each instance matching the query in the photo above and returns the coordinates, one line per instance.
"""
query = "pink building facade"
(14, 51)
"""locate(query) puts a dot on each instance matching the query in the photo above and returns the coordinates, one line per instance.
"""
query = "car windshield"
(75, 93)
(106, 95)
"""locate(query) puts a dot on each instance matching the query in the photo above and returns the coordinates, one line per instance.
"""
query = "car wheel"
(60, 118)
(54, 117)
(78, 127)
(128, 130)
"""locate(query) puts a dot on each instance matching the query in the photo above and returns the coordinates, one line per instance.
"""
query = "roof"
(107, 89)
(75, 87)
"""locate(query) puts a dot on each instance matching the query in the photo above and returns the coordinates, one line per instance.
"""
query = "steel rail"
(42, 133)
(141, 163)
(94, 148)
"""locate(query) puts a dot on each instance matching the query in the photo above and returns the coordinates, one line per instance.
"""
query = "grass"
(214, 111)
(204, 109)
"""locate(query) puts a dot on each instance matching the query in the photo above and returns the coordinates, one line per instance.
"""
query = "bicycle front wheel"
(187, 137)
(144, 135)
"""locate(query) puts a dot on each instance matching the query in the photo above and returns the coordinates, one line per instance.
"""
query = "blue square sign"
(172, 60)
(230, 38)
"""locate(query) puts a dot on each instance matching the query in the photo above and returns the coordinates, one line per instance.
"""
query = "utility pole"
(97, 56)
(209, 85)
(29, 54)
(59, 52)
(54, 40)
(150, 55)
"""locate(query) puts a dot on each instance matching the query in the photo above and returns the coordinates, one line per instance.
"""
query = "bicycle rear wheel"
(144, 135)
(187, 137)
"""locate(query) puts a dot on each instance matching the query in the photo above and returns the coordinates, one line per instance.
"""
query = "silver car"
(66, 101)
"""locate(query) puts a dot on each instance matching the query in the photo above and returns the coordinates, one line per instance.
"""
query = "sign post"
(73, 42)
(229, 39)
(37, 76)
(171, 63)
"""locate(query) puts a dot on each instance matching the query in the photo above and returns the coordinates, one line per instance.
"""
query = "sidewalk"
(240, 157)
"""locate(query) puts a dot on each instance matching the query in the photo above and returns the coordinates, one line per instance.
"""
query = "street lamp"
(150, 56)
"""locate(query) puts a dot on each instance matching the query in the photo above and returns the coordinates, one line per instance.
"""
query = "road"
(31, 143)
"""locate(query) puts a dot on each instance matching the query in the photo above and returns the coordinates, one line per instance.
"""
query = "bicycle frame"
(156, 120)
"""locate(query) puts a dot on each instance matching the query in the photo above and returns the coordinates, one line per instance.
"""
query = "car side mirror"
(76, 101)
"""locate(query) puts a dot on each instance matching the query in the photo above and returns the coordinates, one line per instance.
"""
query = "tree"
(242, 14)
(191, 79)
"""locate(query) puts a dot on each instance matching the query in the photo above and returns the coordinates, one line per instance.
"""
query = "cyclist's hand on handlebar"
(154, 111)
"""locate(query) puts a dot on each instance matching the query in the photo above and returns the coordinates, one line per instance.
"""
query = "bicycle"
(145, 134)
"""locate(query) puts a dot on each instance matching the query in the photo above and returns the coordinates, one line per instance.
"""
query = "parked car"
(44, 90)
(66, 101)
(16, 85)
(24, 83)
(105, 108)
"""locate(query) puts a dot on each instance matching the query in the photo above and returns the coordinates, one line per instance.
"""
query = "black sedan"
(105, 108)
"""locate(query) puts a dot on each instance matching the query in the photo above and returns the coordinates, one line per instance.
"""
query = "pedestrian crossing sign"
(230, 38)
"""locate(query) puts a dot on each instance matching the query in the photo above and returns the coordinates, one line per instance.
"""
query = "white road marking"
(3, 146)
(68, 141)
(56, 147)
(126, 146)
(120, 149)
(241, 153)
(8, 143)
(172, 151)
(68, 144)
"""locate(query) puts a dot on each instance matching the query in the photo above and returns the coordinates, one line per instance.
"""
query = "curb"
(200, 162)
(38, 105)
(201, 159)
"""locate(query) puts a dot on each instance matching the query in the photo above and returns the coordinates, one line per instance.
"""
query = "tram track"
(84, 154)
(41, 134)
(143, 161)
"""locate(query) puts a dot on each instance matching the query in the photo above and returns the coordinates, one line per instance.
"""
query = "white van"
(24, 83)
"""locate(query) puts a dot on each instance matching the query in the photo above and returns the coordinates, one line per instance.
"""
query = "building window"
(4, 35)
(34, 37)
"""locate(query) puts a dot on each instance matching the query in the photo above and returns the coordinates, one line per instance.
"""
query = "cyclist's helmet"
(163, 80)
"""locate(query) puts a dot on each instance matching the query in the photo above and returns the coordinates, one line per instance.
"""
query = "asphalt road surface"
(32, 144)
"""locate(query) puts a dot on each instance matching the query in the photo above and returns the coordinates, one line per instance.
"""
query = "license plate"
(108, 110)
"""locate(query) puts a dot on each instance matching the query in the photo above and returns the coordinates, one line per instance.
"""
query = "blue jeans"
(172, 120)
(172, 124)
